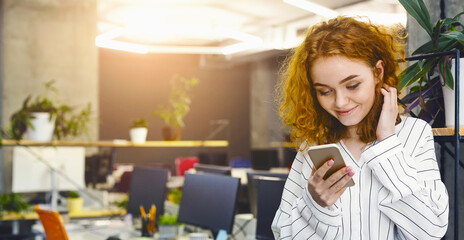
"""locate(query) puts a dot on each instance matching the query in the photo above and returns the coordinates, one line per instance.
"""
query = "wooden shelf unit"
(212, 143)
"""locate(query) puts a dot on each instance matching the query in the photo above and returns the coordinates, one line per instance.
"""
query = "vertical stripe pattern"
(398, 193)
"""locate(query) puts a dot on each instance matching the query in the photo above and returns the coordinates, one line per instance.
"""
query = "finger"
(385, 94)
(335, 196)
(337, 176)
(320, 173)
(342, 182)
(313, 171)
(394, 97)
(339, 192)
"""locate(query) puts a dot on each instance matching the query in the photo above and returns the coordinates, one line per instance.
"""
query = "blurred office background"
(51, 39)
(57, 39)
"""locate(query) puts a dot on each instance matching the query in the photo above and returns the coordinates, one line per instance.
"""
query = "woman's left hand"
(387, 120)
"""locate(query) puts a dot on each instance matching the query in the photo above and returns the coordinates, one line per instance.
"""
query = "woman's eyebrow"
(341, 81)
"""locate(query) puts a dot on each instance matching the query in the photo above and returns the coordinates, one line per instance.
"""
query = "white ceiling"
(209, 26)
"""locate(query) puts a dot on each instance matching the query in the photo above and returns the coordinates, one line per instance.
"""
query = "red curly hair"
(344, 36)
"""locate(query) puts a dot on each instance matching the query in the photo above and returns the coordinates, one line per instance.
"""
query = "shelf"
(437, 132)
(282, 144)
(118, 143)
(446, 131)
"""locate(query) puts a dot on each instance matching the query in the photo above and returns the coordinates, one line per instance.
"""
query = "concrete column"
(265, 121)
(44, 40)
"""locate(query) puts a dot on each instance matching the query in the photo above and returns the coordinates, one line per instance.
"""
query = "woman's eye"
(323, 93)
(354, 86)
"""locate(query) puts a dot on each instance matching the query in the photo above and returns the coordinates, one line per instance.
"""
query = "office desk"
(16, 217)
(101, 230)
(84, 214)
(244, 228)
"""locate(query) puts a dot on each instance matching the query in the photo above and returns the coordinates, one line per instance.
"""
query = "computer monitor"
(252, 185)
(264, 159)
(32, 169)
(215, 158)
(269, 196)
(209, 201)
(214, 169)
(147, 187)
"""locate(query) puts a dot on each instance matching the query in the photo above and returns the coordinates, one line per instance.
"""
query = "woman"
(339, 88)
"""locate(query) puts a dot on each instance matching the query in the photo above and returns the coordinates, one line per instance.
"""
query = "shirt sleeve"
(299, 216)
(413, 195)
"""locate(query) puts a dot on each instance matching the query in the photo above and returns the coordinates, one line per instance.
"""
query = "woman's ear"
(379, 70)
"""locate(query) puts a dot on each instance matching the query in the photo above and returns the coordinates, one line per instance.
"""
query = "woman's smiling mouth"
(347, 112)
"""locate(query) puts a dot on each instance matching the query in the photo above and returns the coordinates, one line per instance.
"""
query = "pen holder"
(145, 232)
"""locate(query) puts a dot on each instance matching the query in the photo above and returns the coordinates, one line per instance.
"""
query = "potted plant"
(179, 105)
(427, 76)
(75, 202)
(13, 202)
(168, 226)
(175, 195)
(43, 118)
(139, 130)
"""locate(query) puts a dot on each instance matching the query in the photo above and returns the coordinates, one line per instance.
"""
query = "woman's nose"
(341, 100)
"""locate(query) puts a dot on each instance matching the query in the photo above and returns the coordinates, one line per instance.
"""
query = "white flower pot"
(138, 135)
(449, 98)
(43, 127)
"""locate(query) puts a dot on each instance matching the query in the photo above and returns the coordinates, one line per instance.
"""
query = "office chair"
(147, 187)
(253, 184)
(269, 195)
(53, 224)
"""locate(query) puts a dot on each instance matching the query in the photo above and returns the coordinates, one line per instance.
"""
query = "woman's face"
(345, 88)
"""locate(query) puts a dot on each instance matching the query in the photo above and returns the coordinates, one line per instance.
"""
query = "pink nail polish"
(350, 174)
(347, 169)
(330, 163)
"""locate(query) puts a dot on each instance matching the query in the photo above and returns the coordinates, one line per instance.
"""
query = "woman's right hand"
(326, 192)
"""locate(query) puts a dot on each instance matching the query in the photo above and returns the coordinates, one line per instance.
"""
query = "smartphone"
(322, 153)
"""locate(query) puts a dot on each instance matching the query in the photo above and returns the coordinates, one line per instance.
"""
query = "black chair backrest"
(209, 201)
(269, 196)
(252, 178)
(147, 187)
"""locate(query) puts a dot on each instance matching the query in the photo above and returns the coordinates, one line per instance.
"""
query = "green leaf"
(449, 80)
(436, 34)
(407, 74)
(458, 15)
(441, 67)
(458, 36)
(444, 44)
(450, 22)
(416, 71)
(418, 10)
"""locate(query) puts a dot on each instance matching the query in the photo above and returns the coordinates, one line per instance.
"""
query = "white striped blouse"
(398, 193)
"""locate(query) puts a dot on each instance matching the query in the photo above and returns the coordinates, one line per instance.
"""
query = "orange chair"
(53, 224)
